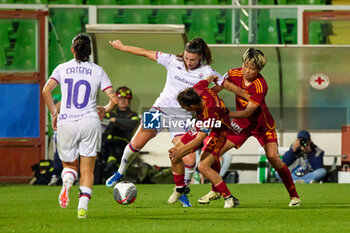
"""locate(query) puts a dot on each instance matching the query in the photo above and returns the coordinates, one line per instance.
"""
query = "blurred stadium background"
(301, 38)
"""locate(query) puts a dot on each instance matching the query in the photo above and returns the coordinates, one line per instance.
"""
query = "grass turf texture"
(264, 208)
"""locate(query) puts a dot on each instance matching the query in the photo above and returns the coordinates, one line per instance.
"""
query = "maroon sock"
(179, 180)
(288, 182)
(222, 188)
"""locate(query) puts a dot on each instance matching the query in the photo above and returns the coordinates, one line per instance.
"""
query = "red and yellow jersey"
(261, 119)
(214, 107)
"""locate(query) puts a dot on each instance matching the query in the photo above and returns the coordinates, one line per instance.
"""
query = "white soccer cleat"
(174, 197)
(178, 192)
(206, 199)
(63, 198)
(231, 202)
(295, 201)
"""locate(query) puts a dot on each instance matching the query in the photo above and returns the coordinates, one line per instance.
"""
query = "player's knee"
(274, 160)
(136, 146)
(203, 168)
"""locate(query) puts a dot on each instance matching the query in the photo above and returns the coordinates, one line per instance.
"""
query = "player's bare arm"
(48, 88)
(235, 90)
(177, 152)
(251, 107)
(117, 44)
(217, 88)
(113, 101)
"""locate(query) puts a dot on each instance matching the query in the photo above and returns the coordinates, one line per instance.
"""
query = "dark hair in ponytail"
(198, 46)
(82, 47)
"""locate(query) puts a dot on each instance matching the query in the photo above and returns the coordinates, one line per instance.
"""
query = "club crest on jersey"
(201, 75)
(152, 120)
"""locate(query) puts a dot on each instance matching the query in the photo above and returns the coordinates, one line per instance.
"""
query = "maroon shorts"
(263, 137)
(215, 142)
(212, 144)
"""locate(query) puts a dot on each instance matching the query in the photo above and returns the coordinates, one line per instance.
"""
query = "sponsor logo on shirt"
(183, 80)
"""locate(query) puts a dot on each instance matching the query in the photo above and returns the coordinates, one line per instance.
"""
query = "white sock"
(68, 175)
(189, 172)
(84, 197)
(128, 156)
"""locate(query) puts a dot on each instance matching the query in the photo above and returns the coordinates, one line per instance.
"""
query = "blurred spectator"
(305, 160)
(121, 123)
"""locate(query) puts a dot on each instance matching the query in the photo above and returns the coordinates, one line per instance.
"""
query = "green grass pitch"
(264, 208)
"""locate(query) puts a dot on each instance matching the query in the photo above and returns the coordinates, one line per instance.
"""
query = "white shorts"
(79, 137)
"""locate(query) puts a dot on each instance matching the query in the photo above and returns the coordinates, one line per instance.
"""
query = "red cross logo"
(319, 80)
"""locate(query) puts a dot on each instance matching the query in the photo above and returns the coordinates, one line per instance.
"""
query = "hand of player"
(101, 111)
(117, 44)
(212, 78)
(174, 154)
(54, 122)
(113, 119)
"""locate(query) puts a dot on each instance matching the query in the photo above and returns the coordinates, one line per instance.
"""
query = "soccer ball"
(125, 192)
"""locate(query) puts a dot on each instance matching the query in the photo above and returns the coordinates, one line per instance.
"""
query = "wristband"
(55, 113)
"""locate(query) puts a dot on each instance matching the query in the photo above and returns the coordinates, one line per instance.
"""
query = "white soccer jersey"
(178, 79)
(79, 87)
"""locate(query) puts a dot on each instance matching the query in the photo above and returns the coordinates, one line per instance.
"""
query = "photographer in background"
(305, 160)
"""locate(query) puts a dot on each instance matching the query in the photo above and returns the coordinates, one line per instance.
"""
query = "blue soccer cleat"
(113, 180)
(184, 200)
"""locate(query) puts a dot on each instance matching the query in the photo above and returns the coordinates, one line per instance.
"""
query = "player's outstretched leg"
(128, 156)
(68, 177)
(271, 151)
(288, 182)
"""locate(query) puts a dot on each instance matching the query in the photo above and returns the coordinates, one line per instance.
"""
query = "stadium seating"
(267, 28)
(171, 16)
(5, 28)
(25, 47)
(72, 2)
(107, 16)
(63, 17)
(136, 16)
(206, 2)
(135, 2)
(315, 32)
(7, 1)
(35, 2)
(203, 25)
(101, 2)
(172, 2)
